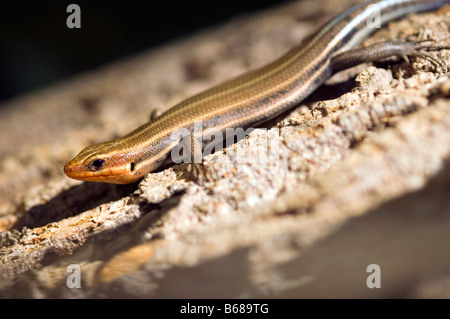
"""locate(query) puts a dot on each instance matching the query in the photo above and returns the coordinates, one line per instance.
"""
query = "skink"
(253, 97)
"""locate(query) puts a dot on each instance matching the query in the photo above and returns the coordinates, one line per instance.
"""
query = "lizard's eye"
(97, 164)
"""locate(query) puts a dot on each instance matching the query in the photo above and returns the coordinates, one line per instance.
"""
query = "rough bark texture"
(361, 177)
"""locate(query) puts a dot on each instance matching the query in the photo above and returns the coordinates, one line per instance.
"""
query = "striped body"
(246, 100)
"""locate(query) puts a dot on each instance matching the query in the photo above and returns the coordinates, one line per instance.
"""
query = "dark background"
(38, 49)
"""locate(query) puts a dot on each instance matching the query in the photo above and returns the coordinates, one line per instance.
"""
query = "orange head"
(99, 163)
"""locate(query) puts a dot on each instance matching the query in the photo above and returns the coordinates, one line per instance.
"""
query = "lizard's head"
(100, 163)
